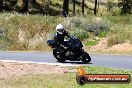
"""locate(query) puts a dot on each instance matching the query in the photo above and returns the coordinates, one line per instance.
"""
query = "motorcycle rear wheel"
(58, 56)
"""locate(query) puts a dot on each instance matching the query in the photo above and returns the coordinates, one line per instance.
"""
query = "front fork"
(81, 54)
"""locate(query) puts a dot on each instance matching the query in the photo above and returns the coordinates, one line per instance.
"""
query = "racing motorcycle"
(73, 51)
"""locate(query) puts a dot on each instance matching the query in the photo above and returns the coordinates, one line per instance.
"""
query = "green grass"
(119, 36)
(29, 28)
(30, 32)
(102, 34)
(119, 30)
(66, 80)
(91, 43)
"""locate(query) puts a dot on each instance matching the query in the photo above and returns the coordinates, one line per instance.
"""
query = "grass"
(120, 30)
(30, 32)
(102, 34)
(24, 30)
(66, 80)
(91, 43)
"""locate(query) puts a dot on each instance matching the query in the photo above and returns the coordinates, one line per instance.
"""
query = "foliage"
(26, 32)
(9, 5)
(110, 5)
(91, 43)
(102, 34)
(119, 37)
(95, 27)
(89, 25)
(125, 5)
(79, 33)
(116, 11)
(30, 32)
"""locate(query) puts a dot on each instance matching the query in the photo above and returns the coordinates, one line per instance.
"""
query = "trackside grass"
(24, 32)
(65, 80)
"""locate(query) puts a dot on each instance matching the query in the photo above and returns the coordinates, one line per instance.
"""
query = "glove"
(63, 46)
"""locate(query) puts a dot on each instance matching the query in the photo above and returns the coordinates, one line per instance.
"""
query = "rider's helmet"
(60, 29)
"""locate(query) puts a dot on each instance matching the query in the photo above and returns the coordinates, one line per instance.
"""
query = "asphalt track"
(111, 61)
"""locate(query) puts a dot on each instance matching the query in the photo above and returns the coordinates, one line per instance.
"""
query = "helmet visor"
(60, 30)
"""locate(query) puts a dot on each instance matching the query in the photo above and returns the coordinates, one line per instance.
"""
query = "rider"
(60, 35)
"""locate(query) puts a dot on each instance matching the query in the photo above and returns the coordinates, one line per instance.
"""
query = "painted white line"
(42, 63)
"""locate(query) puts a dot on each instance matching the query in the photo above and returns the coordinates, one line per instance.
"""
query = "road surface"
(110, 61)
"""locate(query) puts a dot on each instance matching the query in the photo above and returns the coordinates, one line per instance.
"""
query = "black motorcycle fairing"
(75, 42)
(51, 43)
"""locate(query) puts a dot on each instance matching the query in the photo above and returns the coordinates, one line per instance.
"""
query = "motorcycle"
(73, 51)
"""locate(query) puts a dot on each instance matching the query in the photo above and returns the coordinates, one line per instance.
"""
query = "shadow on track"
(75, 62)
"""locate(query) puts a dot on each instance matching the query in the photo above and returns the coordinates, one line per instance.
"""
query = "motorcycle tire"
(85, 58)
(58, 56)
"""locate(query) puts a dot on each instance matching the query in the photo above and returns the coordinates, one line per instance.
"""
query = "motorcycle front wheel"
(59, 56)
(85, 58)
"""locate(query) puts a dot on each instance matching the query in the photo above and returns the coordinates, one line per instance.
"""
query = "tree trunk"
(82, 7)
(65, 8)
(33, 2)
(95, 8)
(1, 5)
(48, 2)
(73, 1)
(25, 5)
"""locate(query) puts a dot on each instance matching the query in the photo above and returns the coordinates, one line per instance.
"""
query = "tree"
(73, 1)
(33, 1)
(83, 7)
(1, 5)
(126, 6)
(25, 5)
(95, 8)
(48, 3)
(65, 8)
